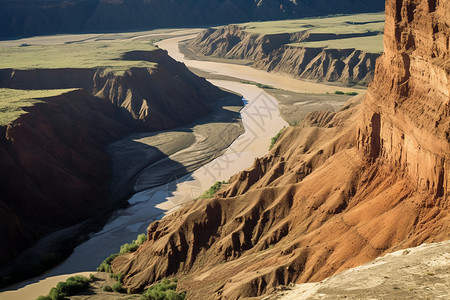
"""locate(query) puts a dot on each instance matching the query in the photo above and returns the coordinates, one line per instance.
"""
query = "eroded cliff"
(335, 192)
(271, 53)
(409, 127)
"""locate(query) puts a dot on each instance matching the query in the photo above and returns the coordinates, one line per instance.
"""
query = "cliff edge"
(336, 191)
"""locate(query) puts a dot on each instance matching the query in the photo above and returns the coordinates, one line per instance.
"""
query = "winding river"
(261, 120)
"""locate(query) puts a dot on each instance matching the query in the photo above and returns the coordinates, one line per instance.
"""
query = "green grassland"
(358, 24)
(371, 44)
(91, 53)
(97, 54)
(13, 101)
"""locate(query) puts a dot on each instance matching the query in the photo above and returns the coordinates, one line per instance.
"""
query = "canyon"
(277, 52)
(341, 198)
(335, 191)
(56, 150)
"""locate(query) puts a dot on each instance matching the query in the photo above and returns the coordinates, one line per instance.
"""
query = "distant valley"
(19, 18)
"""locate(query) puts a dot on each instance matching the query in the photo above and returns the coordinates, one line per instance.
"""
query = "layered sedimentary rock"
(269, 52)
(409, 127)
(159, 97)
(335, 192)
(54, 168)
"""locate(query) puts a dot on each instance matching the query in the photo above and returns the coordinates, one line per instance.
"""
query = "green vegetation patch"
(275, 138)
(357, 25)
(71, 286)
(13, 101)
(260, 85)
(164, 290)
(134, 245)
(370, 44)
(105, 266)
(346, 93)
(97, 54)
(212, 190)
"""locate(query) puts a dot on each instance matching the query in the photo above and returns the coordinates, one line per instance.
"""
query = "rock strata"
(269, 52)
(335, 192)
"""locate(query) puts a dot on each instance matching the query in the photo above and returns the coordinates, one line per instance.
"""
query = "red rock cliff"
(406, 112)
(336, 191)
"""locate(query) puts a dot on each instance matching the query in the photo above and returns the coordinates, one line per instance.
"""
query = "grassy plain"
(357, 25)
(67, 51)
(13, 101)
(371, 44)
(96, 54)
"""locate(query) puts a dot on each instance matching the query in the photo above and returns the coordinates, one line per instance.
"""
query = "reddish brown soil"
(335, 192)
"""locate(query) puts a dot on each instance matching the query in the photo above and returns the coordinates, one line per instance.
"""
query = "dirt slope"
(415, 273)
(335, 192)
(269, 52)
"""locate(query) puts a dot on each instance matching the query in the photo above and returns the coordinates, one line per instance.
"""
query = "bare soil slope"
(335, 192)
(416, 273)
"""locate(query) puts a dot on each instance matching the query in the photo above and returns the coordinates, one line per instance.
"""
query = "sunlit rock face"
(406, 112)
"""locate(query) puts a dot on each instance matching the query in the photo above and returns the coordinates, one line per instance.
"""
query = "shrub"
(105, 266)
(172, 295)
(134, 245)
(141, 239)
(71, 286)
(351, 93)
(339, 92)
(212, 190)
(118, 277)
(264, 86)
(275, 138)
(107, 288)
(126, 248)
(164, 290)
(117, 287)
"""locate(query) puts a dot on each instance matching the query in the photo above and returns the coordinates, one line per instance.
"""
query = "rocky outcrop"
(336, 191)
(269, 52)
(41, 17)
(53, 160)
(409, 128)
